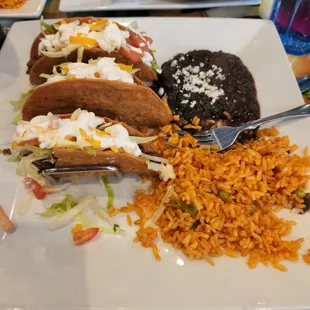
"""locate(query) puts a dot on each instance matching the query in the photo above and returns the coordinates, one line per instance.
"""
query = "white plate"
(43, 270)
(31, 9)
(110, 5)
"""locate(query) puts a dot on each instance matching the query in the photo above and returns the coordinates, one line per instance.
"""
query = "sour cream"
(105, 68)
(52, 131)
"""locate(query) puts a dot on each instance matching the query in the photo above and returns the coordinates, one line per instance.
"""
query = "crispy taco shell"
(42, 64)
(136, 105)
(127, 163)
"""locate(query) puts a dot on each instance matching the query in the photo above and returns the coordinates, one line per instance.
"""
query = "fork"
(224, 137)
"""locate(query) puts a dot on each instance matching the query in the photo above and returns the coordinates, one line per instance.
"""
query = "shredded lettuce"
(180, 204)
(37, 151)
(63, 53)
(18, 104)
(87, 223)
(17, 118)
(156, 159)
(75, 115)
(57, 187)
(133, 25)
(25, 165)
(33, 172)
(104, 126)
(67, 217)
(15, 157)
(80, 54)
(100, 213)
(66, 204)
(89, 150)
(24, 206)
(155, 66)
(46, 76)
(151, 222)
(108, 187)
(141, 140)
(48, 27)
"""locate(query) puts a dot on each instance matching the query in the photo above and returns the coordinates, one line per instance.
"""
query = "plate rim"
(247, 21)
(16, 14)
(67, 7)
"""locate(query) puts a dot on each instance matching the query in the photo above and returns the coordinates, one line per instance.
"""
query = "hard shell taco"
(83, 140)
(101, 86)
(84, 38)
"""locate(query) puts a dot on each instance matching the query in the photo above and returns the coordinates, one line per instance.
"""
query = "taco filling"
(61, 39)
(82, 140)
(103, 68)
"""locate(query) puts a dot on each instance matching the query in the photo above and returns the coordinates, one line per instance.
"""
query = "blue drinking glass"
(292, 19)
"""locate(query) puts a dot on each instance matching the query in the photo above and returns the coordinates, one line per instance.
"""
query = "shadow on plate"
(42, 270)
(9, 64)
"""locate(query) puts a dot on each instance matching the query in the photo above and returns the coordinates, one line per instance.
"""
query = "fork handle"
(301, 111)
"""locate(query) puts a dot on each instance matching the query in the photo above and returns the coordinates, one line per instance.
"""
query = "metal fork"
(224, 137)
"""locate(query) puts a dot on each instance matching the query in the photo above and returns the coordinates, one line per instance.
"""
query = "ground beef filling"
(215, 86)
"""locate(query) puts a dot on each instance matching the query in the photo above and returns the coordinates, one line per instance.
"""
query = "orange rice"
(256, 177)
(11, 4)
(306, 257)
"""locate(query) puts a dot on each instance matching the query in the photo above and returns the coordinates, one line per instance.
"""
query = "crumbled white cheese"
(161, 91)
(184, 101)
(202, 74)
(193, 103)
(177, 74)
(210, 73)
(196, 69)
(195, 82)
(174, 63)
(185, 72)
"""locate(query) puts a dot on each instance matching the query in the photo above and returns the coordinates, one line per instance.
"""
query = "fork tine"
(180, 132)
(195, 135)
(170, 144)
(207, 133)
(206, 142)
(206, 139)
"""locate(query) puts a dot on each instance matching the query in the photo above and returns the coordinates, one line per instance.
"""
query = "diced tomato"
(38, 190)
(130, 54)
(34, 141)
(135, 39)
(130, 41)
(139, 41)
(85, 235)
(148, 39)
